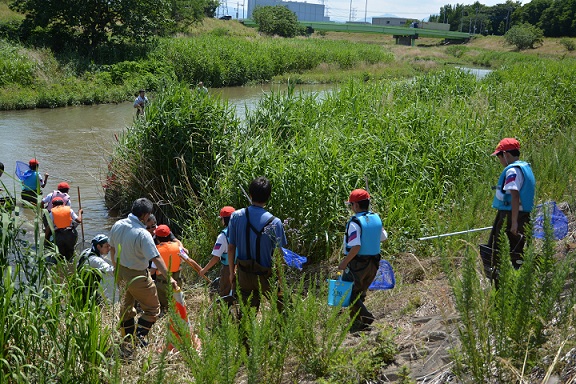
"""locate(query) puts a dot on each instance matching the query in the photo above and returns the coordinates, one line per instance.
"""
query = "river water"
(73, 144)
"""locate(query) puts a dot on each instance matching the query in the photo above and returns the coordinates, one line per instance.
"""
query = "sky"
(339, 10)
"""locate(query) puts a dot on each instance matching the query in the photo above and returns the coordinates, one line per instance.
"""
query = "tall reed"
(46, 336)
(423, 145)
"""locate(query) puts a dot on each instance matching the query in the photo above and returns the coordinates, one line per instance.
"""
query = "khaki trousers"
(139, 287)
(162, 288)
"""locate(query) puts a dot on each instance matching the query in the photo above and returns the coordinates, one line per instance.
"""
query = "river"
(73, 144)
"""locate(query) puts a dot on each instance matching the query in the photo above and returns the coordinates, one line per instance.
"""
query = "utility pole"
(507, 24)
(475, 19)
(366, 12)
(350, 17)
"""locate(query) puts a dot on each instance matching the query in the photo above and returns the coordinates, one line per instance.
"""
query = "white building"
(391, 21)
(303, 11)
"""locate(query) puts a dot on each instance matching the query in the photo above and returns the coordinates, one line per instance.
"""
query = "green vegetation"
(524, 36)
(49, 333)
(502, 331)
(569, 44)
(35, 79)
(554, 18)
(277, 20)
(430, 137)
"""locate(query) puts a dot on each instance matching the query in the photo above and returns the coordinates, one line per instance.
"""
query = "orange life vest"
(62, 217)
(170, 254)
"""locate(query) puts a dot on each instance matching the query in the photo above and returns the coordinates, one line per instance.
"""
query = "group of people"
(140, 249)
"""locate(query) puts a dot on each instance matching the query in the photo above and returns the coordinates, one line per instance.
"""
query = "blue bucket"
(339, 292)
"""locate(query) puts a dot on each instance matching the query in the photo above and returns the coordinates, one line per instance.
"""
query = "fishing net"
(558, 221)
(21, 170)
(293, 259)
(384, 277)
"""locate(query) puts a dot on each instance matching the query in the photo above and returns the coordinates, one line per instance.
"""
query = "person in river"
(62, 192)
(140, 103)
(32, 182)
(65, 221)
(2, 198)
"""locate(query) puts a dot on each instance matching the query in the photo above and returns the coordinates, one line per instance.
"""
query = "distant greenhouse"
(304, 11)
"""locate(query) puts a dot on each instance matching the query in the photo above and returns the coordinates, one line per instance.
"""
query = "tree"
(559, 19)
(277, 20)
(524, 36)
(531, 12)
(187, 12)
(85, 25)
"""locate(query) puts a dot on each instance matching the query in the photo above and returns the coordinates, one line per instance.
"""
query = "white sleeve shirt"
(220, 246)
(354, 235)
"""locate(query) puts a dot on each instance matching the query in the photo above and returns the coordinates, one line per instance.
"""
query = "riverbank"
(225, 53)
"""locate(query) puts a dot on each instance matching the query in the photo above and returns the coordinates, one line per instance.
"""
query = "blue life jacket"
(30, 181)
(224, 257)
(370, 231)
(526, 192)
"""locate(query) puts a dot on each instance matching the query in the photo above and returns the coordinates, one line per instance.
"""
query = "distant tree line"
(91, 27)
(555, 18)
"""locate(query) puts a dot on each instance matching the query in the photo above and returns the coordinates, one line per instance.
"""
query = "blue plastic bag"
(557, 219)
(293, 259)
(384, 277)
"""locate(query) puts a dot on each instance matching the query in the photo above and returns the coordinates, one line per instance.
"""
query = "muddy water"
(73, 144)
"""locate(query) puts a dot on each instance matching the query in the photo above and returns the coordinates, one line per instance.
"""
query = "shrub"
(524, 36)
(569, 44)
(276, 20)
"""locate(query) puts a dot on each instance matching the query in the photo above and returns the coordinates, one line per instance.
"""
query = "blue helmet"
(99, 240)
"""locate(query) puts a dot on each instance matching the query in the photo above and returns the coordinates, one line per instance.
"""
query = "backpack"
(259, 233)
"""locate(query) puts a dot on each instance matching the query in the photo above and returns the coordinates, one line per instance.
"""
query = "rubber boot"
(127, 328)
(142, 331)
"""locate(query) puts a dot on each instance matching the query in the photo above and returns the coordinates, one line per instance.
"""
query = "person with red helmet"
(514, 200)
(61, 192)
(32, 182)
(64, 220)
(170, 252)
(364, 233)
(220, 253)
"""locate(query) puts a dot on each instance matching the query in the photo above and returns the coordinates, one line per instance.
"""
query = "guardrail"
(370, 28)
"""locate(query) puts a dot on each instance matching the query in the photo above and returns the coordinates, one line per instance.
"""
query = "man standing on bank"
(514, 199)
(131, 249)
(362, 239)
(254, 233)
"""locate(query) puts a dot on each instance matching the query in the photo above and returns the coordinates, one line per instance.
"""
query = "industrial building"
(304, 11)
